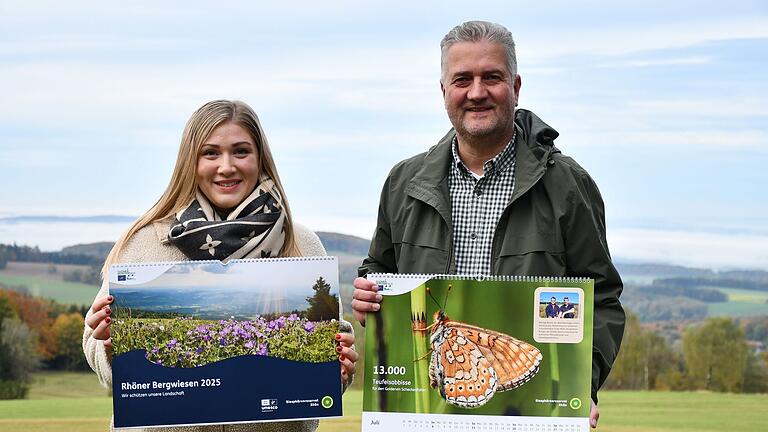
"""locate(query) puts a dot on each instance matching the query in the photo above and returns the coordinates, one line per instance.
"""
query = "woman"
(224, 174)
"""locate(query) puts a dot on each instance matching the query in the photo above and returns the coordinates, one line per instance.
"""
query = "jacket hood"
(539, 136)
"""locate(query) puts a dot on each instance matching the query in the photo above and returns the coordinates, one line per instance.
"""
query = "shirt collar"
(499, 163)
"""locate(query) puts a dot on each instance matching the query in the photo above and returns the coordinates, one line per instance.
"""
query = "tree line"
(749, 284)
(34, 254)
(36, 333)
(712, 355)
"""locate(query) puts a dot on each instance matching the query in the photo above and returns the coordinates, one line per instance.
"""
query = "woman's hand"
(100, 320)
(365, 298)
(347, 356)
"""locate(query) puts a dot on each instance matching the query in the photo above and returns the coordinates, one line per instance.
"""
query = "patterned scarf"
(254, 229)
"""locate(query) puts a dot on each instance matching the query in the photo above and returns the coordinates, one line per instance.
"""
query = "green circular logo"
(327, 402)
(575, 403)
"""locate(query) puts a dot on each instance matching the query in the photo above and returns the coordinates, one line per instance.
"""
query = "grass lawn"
(75, 402)
(633, 411)
(62, 292)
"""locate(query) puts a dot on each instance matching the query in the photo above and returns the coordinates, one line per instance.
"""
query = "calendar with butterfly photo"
(497, 351)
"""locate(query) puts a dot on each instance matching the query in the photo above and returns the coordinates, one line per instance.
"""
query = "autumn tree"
(645, 361)
(36, 314)
(18, 359)
(6, 312)
(68, 334)
(716, 355)
(323, 305)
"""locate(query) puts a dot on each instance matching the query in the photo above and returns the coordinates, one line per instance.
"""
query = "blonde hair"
(181, 189)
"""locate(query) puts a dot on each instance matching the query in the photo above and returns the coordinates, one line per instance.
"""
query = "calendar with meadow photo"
(256, 335)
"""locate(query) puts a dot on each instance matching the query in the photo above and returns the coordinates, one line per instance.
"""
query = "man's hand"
(594, 414)
(365, 298)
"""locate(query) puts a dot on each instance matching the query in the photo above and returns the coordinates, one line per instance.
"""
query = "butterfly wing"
(514, 361)
(459, 369)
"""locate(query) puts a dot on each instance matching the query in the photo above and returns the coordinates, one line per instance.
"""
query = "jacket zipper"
(450, 255)
(506, 209)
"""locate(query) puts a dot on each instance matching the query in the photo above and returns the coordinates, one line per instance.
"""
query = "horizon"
(664, 249)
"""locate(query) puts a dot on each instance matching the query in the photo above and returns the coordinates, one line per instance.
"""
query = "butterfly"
(469, 364)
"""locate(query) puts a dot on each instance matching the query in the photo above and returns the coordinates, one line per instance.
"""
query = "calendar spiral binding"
(494, 278)
(239, 260)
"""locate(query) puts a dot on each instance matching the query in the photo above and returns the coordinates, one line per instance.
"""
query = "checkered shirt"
(476, 206)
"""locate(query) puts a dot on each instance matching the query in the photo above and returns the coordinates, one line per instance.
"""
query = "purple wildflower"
(309, 326)
(280, 322)
(171, 343)
(262, 350)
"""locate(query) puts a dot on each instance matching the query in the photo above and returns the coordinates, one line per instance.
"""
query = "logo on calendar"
(268, 405)
(125, 275)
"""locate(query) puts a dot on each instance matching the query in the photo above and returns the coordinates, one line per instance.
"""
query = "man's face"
(553, 300)
(479, 92)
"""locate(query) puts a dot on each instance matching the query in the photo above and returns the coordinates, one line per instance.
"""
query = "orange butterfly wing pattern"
(470, 364)
(514, 361)
(459, 369)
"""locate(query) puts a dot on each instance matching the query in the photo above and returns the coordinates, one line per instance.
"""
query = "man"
(566, 309)
(494, 196)
(552, 310)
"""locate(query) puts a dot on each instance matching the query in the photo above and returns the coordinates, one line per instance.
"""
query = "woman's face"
(228, 166)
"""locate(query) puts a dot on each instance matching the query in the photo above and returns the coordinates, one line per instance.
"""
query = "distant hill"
(661, 270)
(344, 244)
(350, 250)
(334, 243)
(96, 250)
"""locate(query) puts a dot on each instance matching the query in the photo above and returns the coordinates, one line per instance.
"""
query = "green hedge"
(13, 390)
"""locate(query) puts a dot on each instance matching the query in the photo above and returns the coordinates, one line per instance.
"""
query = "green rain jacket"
(554, 225)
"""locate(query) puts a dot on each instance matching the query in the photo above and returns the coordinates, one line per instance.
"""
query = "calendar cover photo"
(201, 342)
(445, 348)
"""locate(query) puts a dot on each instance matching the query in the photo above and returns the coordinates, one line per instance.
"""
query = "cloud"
(716, 251)
(633, 37)
(727, 106)
(755, 140)
(64, 45)
(683, 61)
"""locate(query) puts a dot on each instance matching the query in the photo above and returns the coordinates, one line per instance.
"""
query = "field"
(740, 303)
(40, 282)
(53, 272)
(74, 402)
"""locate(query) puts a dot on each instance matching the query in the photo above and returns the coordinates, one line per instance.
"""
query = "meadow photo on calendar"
(444, 344)
(213, 329)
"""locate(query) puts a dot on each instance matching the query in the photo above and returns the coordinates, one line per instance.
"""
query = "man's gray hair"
(476, 31)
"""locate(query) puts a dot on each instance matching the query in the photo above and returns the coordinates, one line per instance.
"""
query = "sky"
(662, 102)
